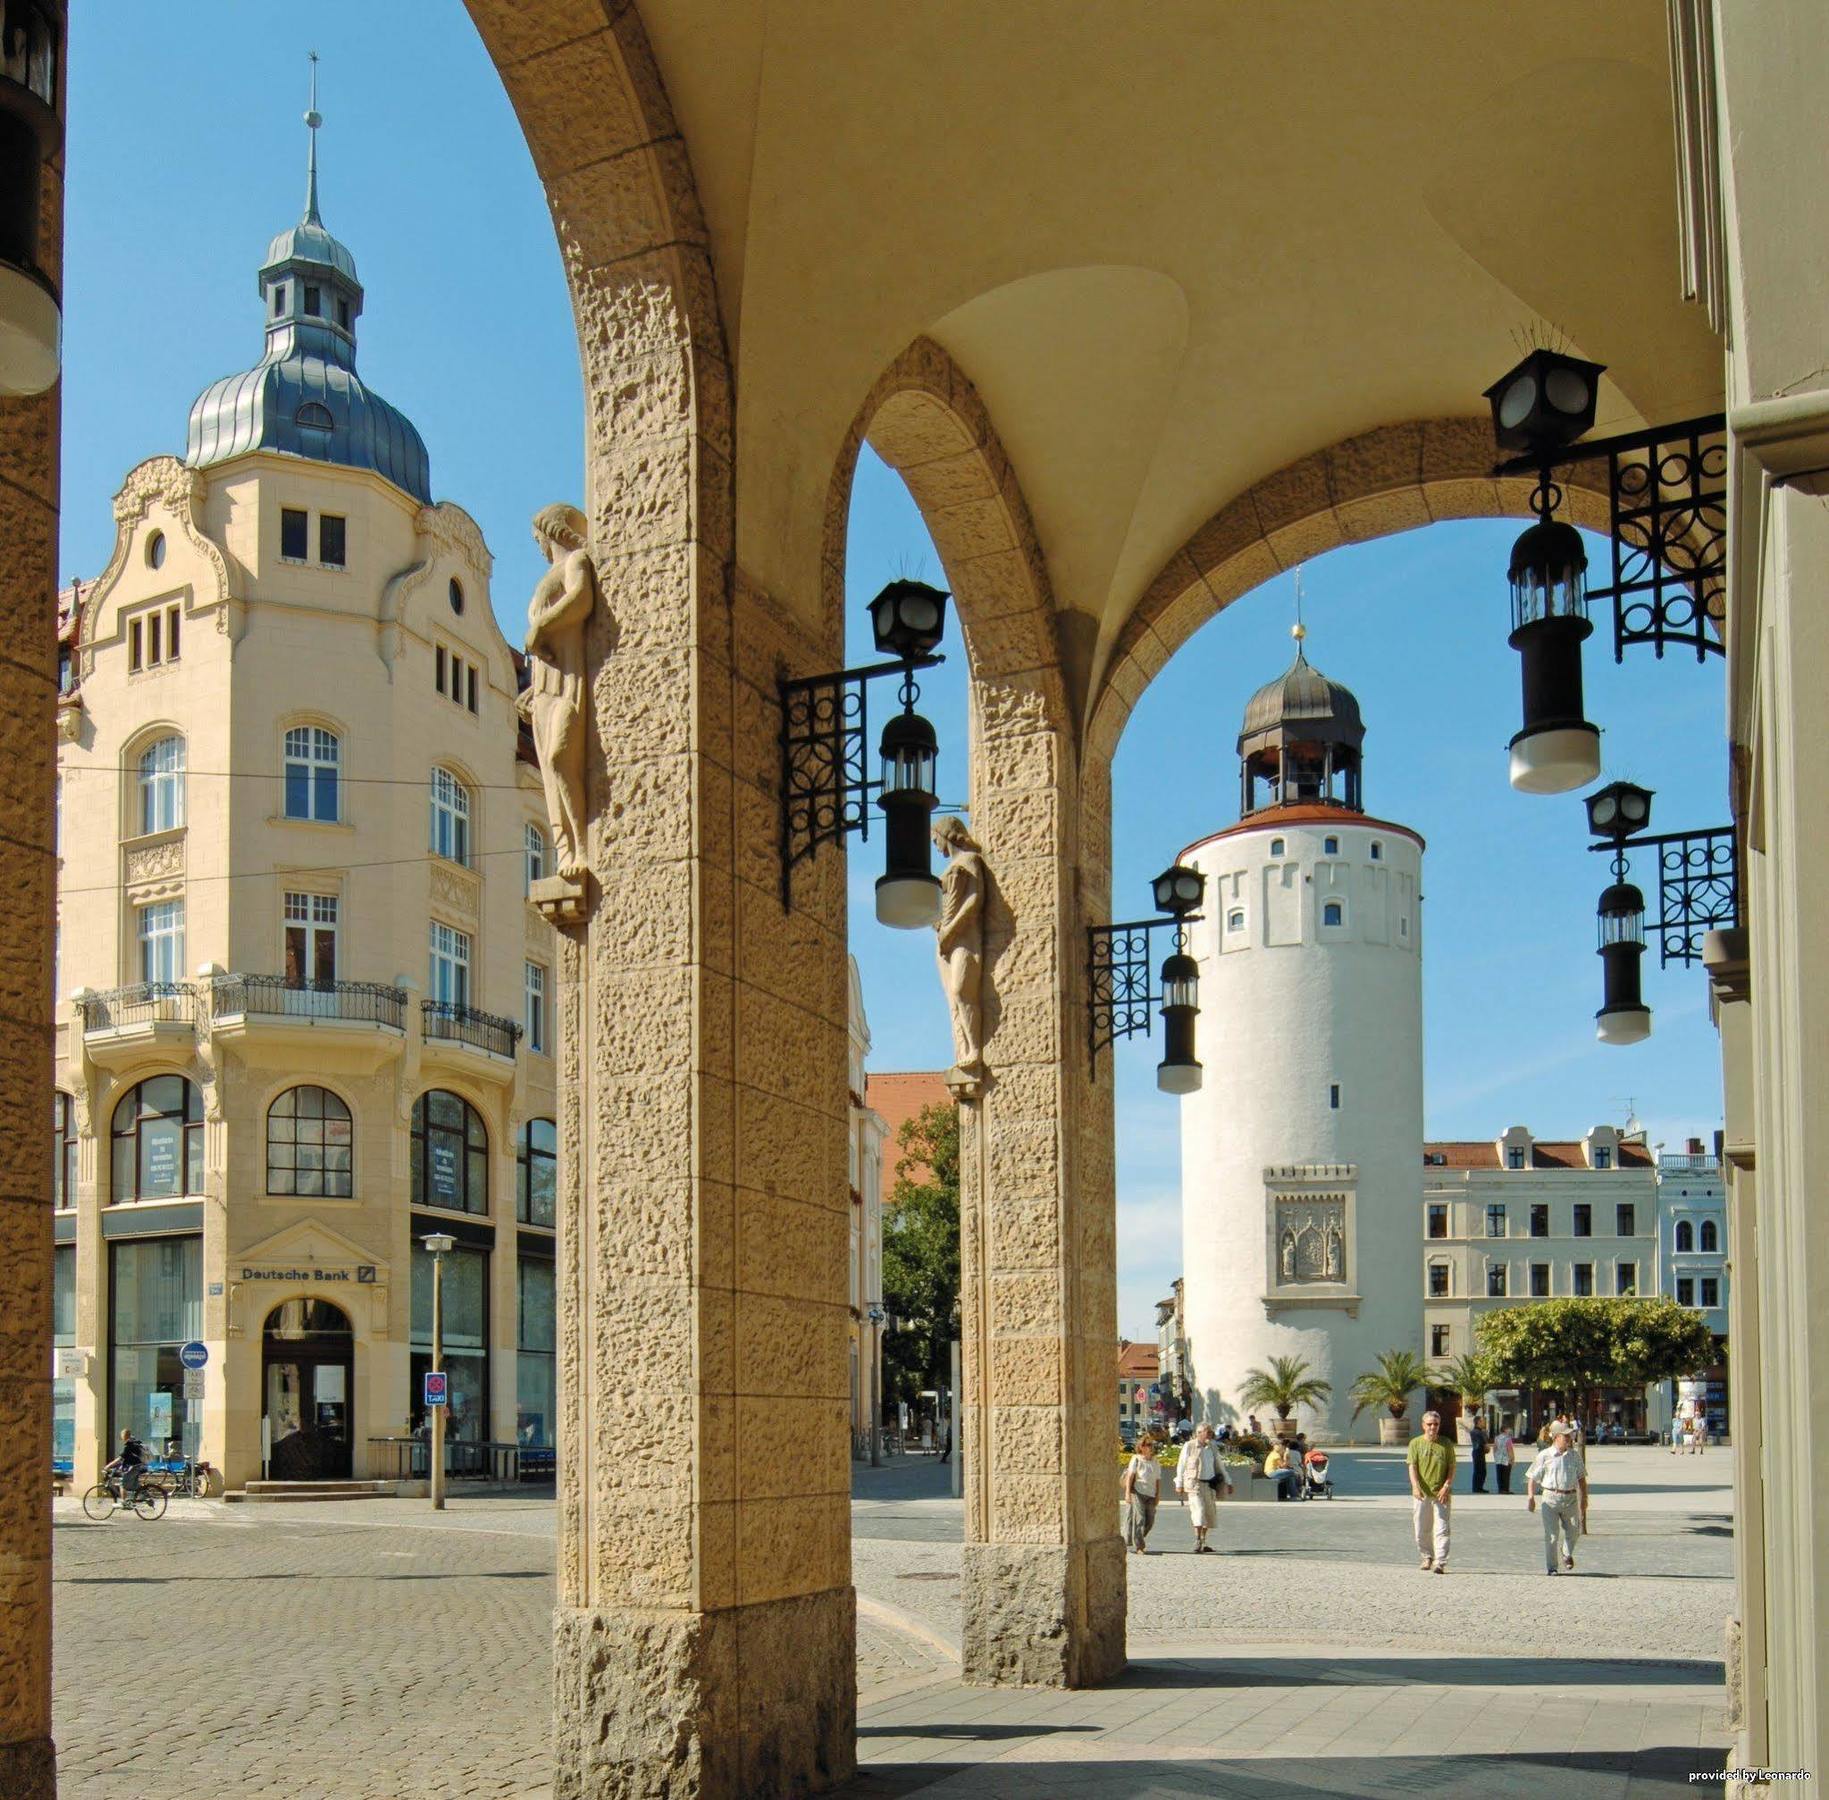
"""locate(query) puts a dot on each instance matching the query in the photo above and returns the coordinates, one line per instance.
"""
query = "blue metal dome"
(304, 397)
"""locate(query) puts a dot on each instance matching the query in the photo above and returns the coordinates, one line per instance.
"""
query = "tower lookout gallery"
(1300, 1152)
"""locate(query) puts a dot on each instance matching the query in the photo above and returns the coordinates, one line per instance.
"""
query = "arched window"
(450, 817)
(1235, 919)
(158, 1141)
(450, 1153)
(63, 1149)
(1276, 846)
(534, 842)
(1333, 912)
(1686, 1235)
(538, 1174)
(162, 785)
(309, 1144)
(1711, 1238)
(314, 760)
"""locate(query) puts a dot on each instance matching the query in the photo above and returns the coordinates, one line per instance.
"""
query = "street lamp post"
(438, 1246)
(876, 1316)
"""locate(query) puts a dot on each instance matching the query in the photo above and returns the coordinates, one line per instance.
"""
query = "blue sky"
(467, 329)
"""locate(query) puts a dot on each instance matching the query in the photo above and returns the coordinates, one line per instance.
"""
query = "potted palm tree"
(1284, 1386)
(1470, 1376)
(1396, 1375)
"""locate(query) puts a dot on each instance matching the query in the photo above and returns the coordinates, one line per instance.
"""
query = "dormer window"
(313, 301)
(314, 415)
(279, 299)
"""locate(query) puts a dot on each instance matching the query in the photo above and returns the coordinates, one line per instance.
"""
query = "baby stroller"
(1316, 1482)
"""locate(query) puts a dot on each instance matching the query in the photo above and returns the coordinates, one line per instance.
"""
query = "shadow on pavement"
(1412, 1671)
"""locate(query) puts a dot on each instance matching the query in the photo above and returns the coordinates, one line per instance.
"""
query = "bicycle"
(179, 1477)
(147, 1501)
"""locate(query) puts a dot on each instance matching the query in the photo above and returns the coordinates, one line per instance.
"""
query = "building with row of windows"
(304, 1007)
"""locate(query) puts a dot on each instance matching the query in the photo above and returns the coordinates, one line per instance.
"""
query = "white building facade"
(1300, 1150)
(867, 1131)
(1693, 1271)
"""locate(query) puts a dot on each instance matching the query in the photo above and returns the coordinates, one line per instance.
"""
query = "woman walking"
(1142, 1489)
(1198, 1479)
(1504, 1453)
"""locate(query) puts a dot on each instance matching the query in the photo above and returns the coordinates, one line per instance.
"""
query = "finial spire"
(1298, 630)
(313, 119)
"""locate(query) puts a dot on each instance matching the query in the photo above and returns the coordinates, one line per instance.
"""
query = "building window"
(310, 1144)
(158, 1141)
(1584, 1279)
(537, 1174)
(311, 940)
(156, 1289)
(450, 817)
(162, 785)
(155, 550)
(470, 682)
(456, 592)
(536, 1007)
(450, 1153)
(1603, 1156)
(464, 1330)
(1377, 851)
(1711, 1238)
(533, 844)
(1438, 1221)
(1686, 1235)
(314, 760)
(1495, 1221)
(63, 1337)
(135, 648)
(1438, 1280)
(313, 301)
(63, 1149)
(450, 965)
(1333, 912)
(1540, 1221)
(1584, 1219)
(1625, 1278)
(172, 615)
(438, 666)
(1438, 1340)
(1711, 1290)
(279, 298)
(1540, 1281)
(1330, 846)
(1623, 1221)
(161, 931)
(331, 540)
(1235, 919)
(1514, 1156)
(1686, 1290)
(535, 1385)
(1276, 846)
(294, 534)
(343, 313)
(1333, 1096)
(1495, 1281)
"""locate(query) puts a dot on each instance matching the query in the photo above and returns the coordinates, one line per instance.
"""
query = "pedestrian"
(1142, 1489)
(1198, 1480)
(1561, 1473)
(1476, 1441)
(1504, 1454)
(1277, 1467)
(1253, 1426)
(1431, 1468)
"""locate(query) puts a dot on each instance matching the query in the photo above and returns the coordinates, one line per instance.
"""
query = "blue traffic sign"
(194, 1355)
(436, 1383)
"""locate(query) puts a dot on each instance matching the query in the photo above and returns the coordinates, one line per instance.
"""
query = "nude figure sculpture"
(959, 945)
(553, 702)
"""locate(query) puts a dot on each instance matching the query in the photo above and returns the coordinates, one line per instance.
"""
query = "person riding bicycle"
(128, 1465)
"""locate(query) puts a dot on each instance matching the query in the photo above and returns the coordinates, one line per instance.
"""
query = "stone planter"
(1394, 1431)
(1283, 1428)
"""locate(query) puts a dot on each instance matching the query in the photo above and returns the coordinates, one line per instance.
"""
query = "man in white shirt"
(1562, 1475)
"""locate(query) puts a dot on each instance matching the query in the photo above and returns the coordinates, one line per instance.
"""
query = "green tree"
(1469, 1375)
(921, 1254)
(1390, 1383)
(1285, 1385)
(1577, 1346)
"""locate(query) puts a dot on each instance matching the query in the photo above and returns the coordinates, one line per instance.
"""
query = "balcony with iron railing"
(121, 1022)
(465, 1029)
(309, 1002)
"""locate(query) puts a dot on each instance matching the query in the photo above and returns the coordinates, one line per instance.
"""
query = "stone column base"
(29, 1770)
(659, 1705)
(1044, 1615)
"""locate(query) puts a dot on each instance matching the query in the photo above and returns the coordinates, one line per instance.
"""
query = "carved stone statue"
(1289, 1256)
(959, 944)
(553, 702)
(1336, 1254)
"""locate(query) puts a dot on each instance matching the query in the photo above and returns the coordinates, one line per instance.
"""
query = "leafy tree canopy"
(1583, 1344)
(921, 1254)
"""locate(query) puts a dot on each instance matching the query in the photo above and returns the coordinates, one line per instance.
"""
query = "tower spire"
(1298, 630)
(313, 119)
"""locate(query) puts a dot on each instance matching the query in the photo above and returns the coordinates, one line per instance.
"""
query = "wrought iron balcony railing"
(145, 1003)
(465, 1025)
(273, 996)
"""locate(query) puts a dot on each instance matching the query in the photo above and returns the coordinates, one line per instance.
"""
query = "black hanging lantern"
(1545, 403)
(1179, 1071)
(1178, 890)
(908, 891)
(1619, 811)
(31, 132)
(909, 619)
(1624, 1018)
(1557, 749)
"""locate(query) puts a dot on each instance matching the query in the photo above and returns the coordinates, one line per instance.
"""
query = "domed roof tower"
(304, 398)
(1300, 741)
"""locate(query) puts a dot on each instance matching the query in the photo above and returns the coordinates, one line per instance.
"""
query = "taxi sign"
(436, 1386)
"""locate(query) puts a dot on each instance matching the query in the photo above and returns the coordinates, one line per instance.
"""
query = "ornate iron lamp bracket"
(1121, 978)
(825, 784)
(1698, 886)
(1667, 505)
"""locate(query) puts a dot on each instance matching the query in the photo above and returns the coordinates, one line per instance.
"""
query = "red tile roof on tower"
(1544, 1155)
(898, 1098)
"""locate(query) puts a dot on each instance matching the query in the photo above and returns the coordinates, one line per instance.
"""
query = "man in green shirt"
(1431, 1466)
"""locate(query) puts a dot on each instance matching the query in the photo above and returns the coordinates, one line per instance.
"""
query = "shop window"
(161, 779)
(533, 843)
(1711, 1238)
(63, 1149)
(158, 1141)
(450, 1153)
(332, 540)
(310, 1144)
(314, 763)
(156, 1306)
(465, 1339)
(537, 1172)
(1686, 1235)
(294, 533)
(450, 823)
(536, 1384)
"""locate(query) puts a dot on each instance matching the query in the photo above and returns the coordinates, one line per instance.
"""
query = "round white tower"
(1301, 1154)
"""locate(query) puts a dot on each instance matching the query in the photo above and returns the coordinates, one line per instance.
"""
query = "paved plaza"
(376, 1651)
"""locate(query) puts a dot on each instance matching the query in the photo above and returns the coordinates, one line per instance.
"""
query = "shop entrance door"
(307, 1383)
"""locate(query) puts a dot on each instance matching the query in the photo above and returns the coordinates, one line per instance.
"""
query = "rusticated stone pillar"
(28, 873)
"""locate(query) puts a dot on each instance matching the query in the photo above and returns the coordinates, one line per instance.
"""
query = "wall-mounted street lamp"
(1121, 996)
(31, 134)
(1667, 498)
(1698, 892)
(825, 791)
